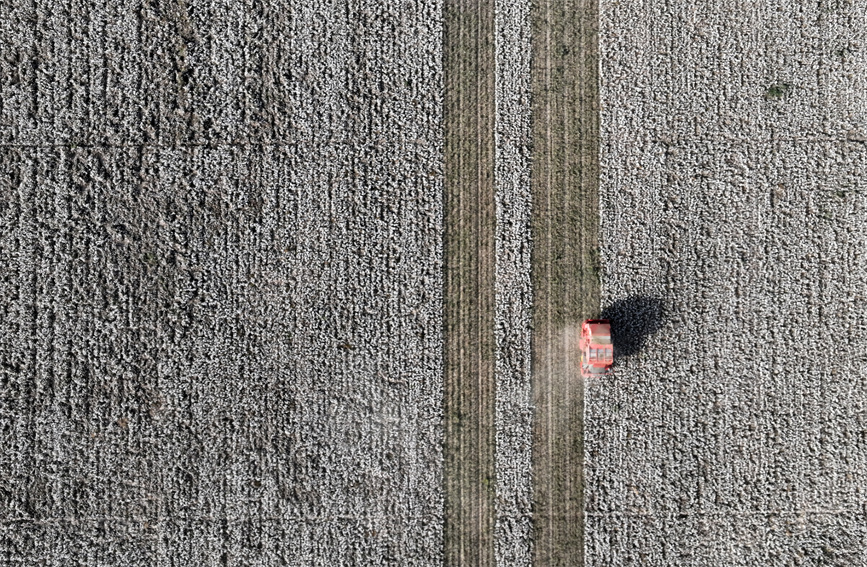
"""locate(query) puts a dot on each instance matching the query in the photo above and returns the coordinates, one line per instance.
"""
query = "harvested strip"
(564, 266)
(468, 303)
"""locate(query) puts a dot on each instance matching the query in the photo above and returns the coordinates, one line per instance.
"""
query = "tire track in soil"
(565, 269)
(468, 298)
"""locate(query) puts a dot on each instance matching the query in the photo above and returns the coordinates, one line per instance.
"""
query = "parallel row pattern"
(514, 418)
(564, 269)
(220, 271)
(469, 297)
(733, 192)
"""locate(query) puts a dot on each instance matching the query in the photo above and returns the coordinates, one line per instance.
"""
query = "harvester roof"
(600, 332)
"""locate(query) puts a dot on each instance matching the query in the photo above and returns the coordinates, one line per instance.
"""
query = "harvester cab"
(597, 351)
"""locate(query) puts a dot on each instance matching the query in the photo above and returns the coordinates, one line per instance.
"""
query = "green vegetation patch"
(778, 91)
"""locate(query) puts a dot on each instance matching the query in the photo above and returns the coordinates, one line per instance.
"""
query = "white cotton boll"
(740, 229)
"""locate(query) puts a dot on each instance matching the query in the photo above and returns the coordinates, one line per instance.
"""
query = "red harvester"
(597, 352)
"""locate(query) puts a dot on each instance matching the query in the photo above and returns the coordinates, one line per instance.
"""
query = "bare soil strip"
(564, 263)
(469, 247)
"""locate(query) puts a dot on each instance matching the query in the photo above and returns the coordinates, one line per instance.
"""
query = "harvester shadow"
(633, 319)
